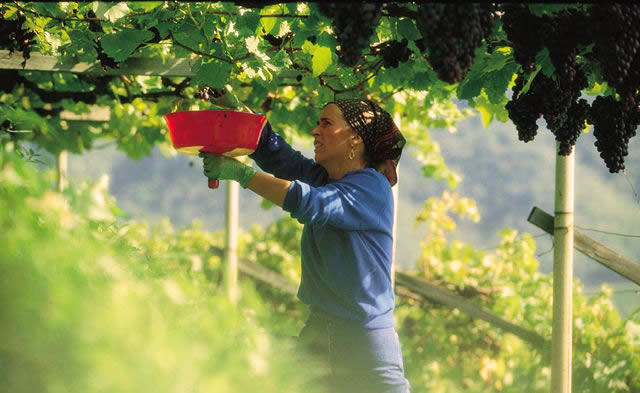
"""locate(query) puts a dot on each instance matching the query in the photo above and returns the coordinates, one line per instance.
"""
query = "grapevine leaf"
(122, 44)
(110, 11)
(269, 23)
(145, 6)
(408, 29)
(530, 79)
(9, 12)
(52, 9)
(321, 60)
(543, 59)
(164, 28)
(421, 80)
(470, 87)
(325, 39)
(248, 24)
(597, 89)
(498, 82)
(497, 61)
(547, 9)
(213, 73)
(189, 35)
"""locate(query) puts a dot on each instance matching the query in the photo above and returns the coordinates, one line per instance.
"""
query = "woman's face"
(332, 137)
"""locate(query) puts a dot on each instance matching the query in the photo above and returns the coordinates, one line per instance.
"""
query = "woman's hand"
(220, 167)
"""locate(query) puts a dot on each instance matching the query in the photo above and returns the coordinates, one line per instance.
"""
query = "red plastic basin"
(215, 131)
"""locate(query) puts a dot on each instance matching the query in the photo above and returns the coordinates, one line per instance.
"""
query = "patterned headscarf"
(383, 141)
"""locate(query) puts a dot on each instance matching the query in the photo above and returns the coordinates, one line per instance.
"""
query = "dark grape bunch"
(8, 80)
(395, 52)
(353, 25)
(523, 31)
(523, 110)
(565, 35)
(617, 39)
(452, 32)
(557, 102)
(13, 36)
(612, 128)
(567, 134)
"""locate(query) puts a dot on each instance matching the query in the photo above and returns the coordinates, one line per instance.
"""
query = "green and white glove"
(224, 168)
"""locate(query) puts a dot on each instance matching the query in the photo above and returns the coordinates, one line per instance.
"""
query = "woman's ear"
(356, 139)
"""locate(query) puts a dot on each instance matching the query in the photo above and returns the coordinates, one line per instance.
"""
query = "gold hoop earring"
(352, 153)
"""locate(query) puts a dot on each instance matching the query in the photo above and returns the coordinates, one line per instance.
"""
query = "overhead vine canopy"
(433, 64)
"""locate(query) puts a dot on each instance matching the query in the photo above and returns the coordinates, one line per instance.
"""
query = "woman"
(344, 200)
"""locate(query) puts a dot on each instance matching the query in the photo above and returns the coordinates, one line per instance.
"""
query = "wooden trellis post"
(561, 340)
(231, 266)
(62, 161)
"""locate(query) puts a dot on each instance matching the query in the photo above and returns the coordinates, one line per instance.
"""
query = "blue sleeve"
(274, 155)
(358, 202)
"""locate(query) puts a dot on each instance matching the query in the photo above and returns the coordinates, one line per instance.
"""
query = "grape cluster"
(523, 110)
(557, 102)
(564, 36)
(352, 36)
(567, 134)
(395, 52)
(8, 79)
(523, 31)
(15, 37)
(612, 128)
(452, 32)
(617, 39)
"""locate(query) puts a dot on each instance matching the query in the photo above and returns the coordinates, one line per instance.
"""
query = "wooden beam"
(445, 297)
(261, 273)
(590, 247)
(131, 66)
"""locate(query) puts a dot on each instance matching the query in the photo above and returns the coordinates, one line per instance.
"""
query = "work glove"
(220, 167)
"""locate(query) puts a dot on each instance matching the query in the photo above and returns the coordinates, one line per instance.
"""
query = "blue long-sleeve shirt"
(346, 242)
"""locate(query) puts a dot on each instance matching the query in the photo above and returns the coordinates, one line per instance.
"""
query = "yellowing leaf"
(321, 60)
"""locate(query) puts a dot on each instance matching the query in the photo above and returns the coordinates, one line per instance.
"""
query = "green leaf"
(408, 29)
(597, 89)
(547, 9)
(145, 6)
(530, 79)
(269, 23)
(110, 11)
(321, 60)
(543, 59)
(497, 83)
(213, 73)
(470, 87)
(496, 61)
(249, 23)
(121, 45)
(421, 80)
(164, 28)
(485, 114)
(189, 35)
(46, 8)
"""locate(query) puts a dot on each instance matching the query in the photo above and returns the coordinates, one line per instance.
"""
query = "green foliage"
(88, 305)
(445, 350)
